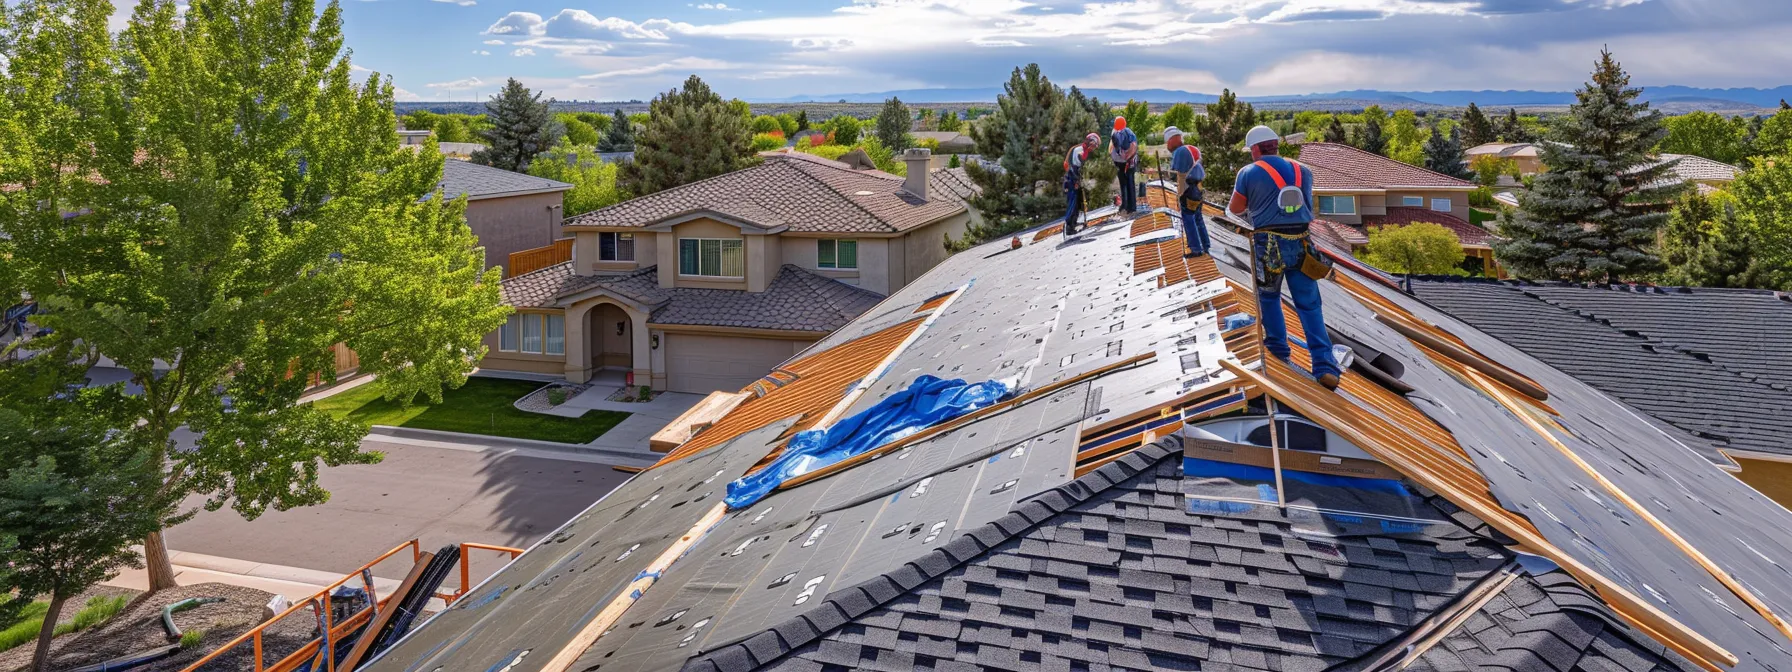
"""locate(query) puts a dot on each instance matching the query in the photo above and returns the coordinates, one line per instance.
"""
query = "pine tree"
(1334, 131)
(1476, 128)
(1510, 129)
(1443, 154)
(802, 120)
(1023, 137)
(1784, 105)
(522, 127)
(691, 134)
(620, 137)
(893, 123)
(949, 122)
(1372, 140)
(1594, 215)
(1220, 136)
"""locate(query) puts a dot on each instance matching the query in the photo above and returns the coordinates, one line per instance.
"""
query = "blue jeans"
(1284, 260)
(1194, 231)
(1129, 188)
(1072, 199)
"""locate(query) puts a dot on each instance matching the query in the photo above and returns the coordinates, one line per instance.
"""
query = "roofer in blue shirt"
(1073, 180)
(1185, 162)
(1277, 195)
(1123, 149)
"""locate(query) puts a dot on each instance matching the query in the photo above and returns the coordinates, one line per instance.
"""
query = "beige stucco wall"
(801, 252)
(925, 248)
(514, 223)
(667, 254)
(522, 361)
(585, 247)
(1458, 199)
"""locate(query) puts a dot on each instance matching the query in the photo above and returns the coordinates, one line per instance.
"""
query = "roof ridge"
(840, 607)
(855, 204)
(1384, 158)
(682, 187)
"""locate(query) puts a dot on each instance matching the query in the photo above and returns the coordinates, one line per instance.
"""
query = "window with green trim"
(713, 257)
(837, 254)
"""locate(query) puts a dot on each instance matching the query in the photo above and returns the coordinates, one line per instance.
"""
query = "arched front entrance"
(605, 341)
(610, 343)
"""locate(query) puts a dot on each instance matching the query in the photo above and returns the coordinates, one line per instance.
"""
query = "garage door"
(704, 364)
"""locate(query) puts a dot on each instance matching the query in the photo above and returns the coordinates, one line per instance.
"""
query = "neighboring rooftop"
(1708, 361)
(796, 300)
(481, 182)
(796, 192)
(1700, 170)
(1505, 149)
(1343, 167)
(1088, 523)
(1469, 234)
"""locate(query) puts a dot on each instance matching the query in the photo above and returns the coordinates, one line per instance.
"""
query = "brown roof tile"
(797, 300)
(1338, 166)
(1466, 233)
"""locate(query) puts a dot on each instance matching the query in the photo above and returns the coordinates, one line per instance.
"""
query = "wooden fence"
(539, 258)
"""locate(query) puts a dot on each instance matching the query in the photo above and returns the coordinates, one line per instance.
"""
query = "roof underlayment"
(1065, 529)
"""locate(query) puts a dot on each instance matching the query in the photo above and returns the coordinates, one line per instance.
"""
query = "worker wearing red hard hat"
(1123, 148)
(1185, 162)
(1073, 181)
(1276, 194)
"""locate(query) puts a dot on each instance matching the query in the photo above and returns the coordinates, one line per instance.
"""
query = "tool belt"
(1271, 265)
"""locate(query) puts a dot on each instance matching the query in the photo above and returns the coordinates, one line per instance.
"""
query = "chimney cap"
(917, 153)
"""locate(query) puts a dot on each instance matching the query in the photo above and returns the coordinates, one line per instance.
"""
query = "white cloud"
(463, 3)
(686, 64)
(405, 96)
(525, 51)
(1154, 77)
(481, 52)
(718, 6)
(495, 43)
(580, 24)
(517, 23)
(467, 84)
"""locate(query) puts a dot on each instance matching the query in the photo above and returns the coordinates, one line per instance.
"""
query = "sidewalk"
(296, 583)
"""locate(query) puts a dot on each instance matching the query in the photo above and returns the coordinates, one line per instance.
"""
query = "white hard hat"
(1259, 135)
(1172, 132)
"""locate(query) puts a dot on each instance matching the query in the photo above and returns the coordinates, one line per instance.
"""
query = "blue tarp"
(927, 401)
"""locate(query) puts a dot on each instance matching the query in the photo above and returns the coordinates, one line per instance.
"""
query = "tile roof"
(807, 193)
(1466, 233)
(1343, 236)
(1052, 533)
(1504, 149)
(1338, 166)
(1706, 361)
(796, 300)
(477, 181)
(1700, 169)
(954, 183)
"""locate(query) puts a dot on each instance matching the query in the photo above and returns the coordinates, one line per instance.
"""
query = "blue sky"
(608, 50)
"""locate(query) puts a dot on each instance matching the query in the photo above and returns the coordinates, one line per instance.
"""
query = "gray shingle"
(477, 181)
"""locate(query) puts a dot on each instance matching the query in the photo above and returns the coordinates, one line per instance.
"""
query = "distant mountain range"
(1722, 98)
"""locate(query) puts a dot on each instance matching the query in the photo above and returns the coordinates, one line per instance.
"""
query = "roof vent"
(862, 192)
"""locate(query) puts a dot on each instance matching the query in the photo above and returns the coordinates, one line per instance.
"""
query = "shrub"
(1482, 197)
(31, 619)
(191, 638)
(763, 142)
(556, 396)
(844, 130)
(766, 123)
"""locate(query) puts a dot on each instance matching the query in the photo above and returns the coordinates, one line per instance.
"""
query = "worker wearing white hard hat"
(1073, 181)
(1276, 194)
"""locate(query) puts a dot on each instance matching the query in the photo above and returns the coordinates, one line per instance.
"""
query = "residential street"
(442, 496)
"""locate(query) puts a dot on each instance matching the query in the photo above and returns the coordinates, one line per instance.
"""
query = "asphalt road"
(441, 496)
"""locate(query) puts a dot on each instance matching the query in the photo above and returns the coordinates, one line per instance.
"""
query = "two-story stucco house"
(509, 212)
(1355, 190)
(710, 285)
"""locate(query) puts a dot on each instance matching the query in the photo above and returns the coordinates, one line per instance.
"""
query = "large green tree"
(1443, 154)
(593, 180)
(893, 123)
(1406, 143)
(1775, 135)
(577, 131)
(1763, 200)
(621, 135)
(1423, 248)
(1220, 136)
(1477, 129)
(210, 201)
(1594, 215)
(1512, 129)
(692, 134)
(521, 127)
(1707, 243)
(1706, 134)
(1029, 133)
(1180, 115)
(1139, 118)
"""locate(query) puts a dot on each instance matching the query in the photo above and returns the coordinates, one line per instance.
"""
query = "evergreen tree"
(1220, 137)
(1334, 131)
(1372, 140)
(802, 120)
(691, 134)
(522, 127)
(1512, 130)
(1477, 129)
(1784, 106)
(620, 137)
(949, 121)
(1712, 247)
(215, 224)
(1443, 154)
(1763, 198)
(1594, 215)
(1023, 135)
(1082, 113)
(893, 123)
(954, 163)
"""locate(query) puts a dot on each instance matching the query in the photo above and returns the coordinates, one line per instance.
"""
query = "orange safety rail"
(529, 261)
(466, 571)
(822, 380)
(320, 606)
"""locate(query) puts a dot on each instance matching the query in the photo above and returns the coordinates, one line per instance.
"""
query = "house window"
(615, 246)
(1413, 201)
(713, 257)
(556, 341)
(507, 334)
(1440, 204)
(532, 334)
(838, 254)
(1337, 205)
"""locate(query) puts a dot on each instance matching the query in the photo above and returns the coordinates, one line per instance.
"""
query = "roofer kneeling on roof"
(1185, 162)
(1278, 195)
(1073, 180)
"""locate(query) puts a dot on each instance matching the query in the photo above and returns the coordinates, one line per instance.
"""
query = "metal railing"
(325, 645)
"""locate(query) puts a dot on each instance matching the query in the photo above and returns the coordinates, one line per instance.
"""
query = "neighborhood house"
(509, 212)
(1355, 190)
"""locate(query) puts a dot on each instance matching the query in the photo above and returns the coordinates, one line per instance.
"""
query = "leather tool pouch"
(1313, 264)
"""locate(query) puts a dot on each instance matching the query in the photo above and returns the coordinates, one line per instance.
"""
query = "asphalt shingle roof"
(1546, 622)
(807, 193)
(1337, 166)
(1711, 362)
(796, 300)
(477, 181)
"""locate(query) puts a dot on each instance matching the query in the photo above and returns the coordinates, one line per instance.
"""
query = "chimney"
(917, 159)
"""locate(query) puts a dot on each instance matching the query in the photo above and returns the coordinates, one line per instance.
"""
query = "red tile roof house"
(708, 286)
(1356, 190)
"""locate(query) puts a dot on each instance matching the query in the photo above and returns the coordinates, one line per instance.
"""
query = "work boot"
(1330, 381)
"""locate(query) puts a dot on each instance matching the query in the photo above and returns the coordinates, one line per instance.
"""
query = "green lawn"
(482, 406)
(1480, 217)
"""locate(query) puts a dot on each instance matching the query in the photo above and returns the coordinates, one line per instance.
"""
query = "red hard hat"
(1119, 123)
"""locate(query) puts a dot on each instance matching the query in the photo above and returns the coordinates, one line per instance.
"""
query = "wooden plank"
(883, 367)
(633, 592)
(1467, 357)
(963, 420)
(372, 631)
(705, 413)
(1704, 561)
(1304, 396)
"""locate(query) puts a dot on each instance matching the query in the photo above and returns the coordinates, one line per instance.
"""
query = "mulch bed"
(139, 627)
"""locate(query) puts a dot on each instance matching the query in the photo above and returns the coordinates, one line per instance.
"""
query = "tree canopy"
(893, 122)
(209, 200)
(1220, 136)
(593, 180)
(1707, 134)
(1477, 129)
(521, 127)
(1422, 248)
(1031, 130)
(692, 134)
(1443, 154)
(620, 137)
